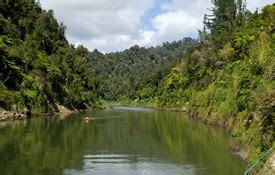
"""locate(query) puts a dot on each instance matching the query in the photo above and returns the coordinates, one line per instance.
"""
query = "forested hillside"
(137, 72)
(39, 69)
(230, 77)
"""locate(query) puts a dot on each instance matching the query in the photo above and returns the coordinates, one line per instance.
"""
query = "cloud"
(254, 4)
(110, 25)
(182, 19)
(196, 8)
(99, 18)
(117, 42)
(175, 25)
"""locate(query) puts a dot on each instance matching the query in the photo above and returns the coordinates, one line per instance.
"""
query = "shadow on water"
(116, 141)
(126, 108)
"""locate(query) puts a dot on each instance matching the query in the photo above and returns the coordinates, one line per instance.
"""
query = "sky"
(115, 25)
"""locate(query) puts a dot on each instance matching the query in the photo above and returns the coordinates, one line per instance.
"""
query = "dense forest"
(136, 73)
(227, 75)
(39, 69)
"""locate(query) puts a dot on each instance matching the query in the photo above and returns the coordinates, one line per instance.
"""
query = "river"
(119, 141)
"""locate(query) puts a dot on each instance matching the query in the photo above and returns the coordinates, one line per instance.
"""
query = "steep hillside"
(39, 69)
(231, 84)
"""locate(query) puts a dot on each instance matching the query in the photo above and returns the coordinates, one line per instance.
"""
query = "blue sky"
(154, 11)
(115, 25)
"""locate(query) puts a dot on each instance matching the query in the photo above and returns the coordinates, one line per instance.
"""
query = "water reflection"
(127, 164)
(116, 141)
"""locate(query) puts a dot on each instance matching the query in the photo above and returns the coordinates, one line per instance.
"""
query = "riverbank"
(10, 115)
(17, 115)
(244, 129)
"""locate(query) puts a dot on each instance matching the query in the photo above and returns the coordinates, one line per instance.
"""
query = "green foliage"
(38, 68)
(137, 72)
(233, 82)
(226, 16)
(48, 34)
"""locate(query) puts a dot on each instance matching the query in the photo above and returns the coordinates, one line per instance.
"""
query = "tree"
(38, 67)
(48, 33)
(226, 16)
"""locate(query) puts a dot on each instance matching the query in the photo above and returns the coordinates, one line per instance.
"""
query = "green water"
(118, 141)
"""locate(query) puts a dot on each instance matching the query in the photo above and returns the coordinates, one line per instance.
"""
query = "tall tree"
(226, 16)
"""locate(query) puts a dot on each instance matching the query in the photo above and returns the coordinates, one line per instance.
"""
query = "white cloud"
(113, 25)
(87, 19)
(181, 19)
(196, 8)
(254, 4)
(117, 42)
(175, 25)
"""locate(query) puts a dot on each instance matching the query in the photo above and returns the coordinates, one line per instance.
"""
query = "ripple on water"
(114, 164)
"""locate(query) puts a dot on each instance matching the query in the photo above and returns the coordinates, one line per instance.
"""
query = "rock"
(9, 115)
(63, 110)
(14, 108)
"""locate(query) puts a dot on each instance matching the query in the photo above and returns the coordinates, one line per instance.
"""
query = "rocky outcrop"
(10, 115)
(64, 110)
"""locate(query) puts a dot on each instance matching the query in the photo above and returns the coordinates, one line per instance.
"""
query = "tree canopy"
(39, 69)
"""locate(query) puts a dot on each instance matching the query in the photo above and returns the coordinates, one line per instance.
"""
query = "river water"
(119, 141)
